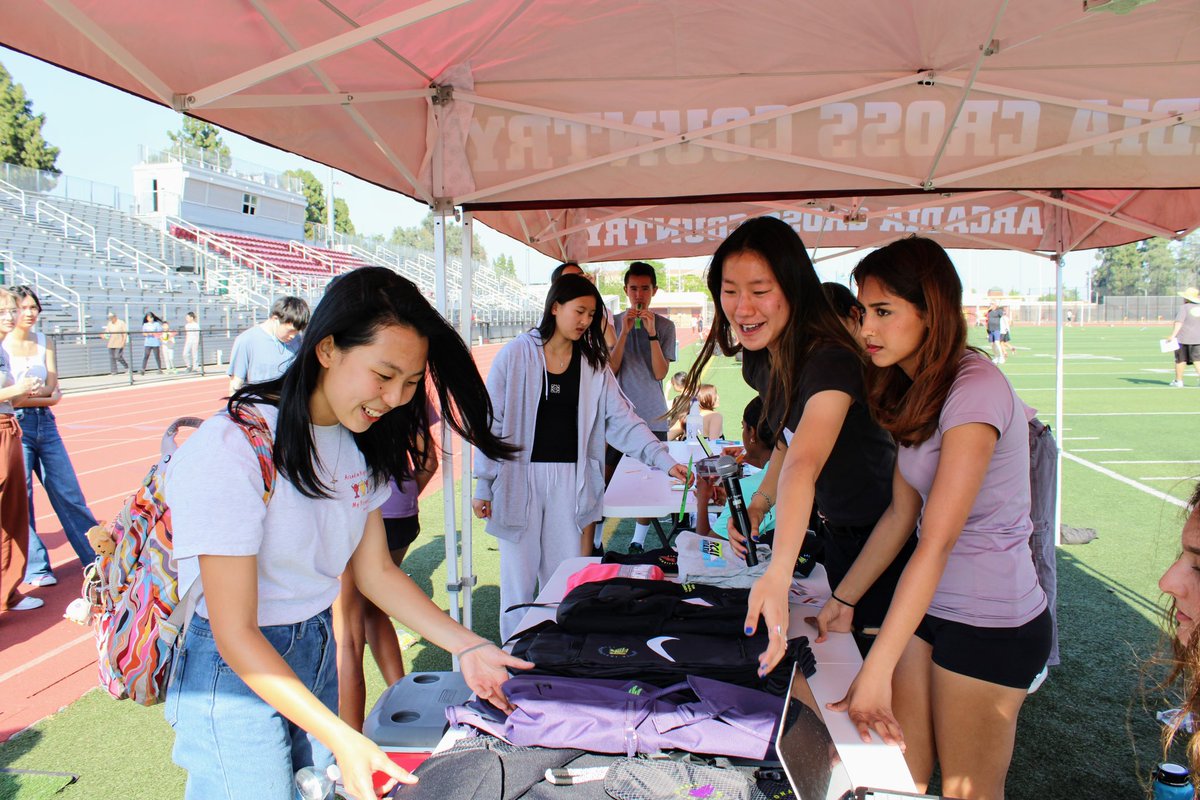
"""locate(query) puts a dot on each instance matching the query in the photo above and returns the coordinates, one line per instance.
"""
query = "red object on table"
(408, 761)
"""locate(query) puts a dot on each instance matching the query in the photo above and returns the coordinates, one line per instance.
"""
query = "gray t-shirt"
(989, 581)
(6, 379)
(259, 356)
(1189, 315)
(636, 378)
(214, 490)
(993, 320)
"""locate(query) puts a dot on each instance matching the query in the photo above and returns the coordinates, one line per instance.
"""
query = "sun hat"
(1191, 294)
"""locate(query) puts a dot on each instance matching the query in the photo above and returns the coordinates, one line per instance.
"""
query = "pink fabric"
(604, 572)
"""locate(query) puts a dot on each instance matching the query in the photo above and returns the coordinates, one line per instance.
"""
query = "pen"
(686, 481)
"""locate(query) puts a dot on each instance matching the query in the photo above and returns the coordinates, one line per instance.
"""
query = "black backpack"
(630, 605)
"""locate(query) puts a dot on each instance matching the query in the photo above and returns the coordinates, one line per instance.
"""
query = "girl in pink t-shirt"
(968, 628)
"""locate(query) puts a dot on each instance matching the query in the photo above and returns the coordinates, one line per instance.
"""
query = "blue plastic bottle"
(1172, 782)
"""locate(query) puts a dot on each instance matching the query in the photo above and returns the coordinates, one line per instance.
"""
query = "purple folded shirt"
(698, 715)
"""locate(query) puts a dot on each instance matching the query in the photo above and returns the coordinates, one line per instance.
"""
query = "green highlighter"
(686, 481)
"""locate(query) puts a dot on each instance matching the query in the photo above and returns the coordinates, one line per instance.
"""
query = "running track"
(113, 436)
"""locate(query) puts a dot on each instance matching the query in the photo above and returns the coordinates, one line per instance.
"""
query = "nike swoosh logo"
(656, 644)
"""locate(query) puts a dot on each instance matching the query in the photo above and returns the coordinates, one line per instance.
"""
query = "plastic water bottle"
(313, 784)
(1172, 782)
(694, 422)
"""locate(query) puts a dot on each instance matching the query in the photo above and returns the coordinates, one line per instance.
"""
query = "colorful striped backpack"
(133, 587)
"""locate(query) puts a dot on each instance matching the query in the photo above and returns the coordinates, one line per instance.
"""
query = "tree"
(505, 266)
(1147, 267)
(315, 210)
(21, 140)
(421, 238)
(204, 137)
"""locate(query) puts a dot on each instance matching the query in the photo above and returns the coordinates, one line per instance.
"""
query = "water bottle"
(637, 322)
(694, 422)
(313, 784)
(1172, 782)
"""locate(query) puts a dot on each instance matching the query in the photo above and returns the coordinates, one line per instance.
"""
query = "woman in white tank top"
(32, 355)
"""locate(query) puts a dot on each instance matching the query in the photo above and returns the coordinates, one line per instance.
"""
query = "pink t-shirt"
(990, 579)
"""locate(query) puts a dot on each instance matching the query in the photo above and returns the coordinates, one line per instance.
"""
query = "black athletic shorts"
(1005, 656)
(1187, 353)
(612, 455)
(401, 531)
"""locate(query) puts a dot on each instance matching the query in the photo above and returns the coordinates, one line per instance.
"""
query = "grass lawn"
(1089, 731)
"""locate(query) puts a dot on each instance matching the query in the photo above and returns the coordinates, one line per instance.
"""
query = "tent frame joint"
(443, 94)
(181, 102)
(464, 583)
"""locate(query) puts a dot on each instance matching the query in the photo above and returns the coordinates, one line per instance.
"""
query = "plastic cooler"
(410, 718)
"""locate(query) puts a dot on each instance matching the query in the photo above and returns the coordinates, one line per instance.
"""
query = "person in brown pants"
(14, 507)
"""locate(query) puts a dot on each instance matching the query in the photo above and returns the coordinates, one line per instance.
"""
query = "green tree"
(1147, 267)
(315, 209)
(505, 266)
(205, 137)
(21, 140)
(421, 238)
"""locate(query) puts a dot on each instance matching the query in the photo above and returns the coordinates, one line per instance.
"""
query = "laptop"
(809, 757)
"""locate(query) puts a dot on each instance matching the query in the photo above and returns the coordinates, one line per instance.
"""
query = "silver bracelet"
(464, 651)
(764, 496)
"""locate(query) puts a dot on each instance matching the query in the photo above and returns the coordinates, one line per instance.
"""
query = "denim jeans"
(46, 457)
(232, 744)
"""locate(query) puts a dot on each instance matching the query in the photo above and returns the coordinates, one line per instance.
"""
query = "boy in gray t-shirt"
(641, 359)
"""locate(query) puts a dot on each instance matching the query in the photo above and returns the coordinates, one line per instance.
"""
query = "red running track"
(113, 436)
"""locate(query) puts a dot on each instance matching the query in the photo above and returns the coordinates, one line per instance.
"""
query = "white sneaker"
(1038, 680)
(28, 604)
(1176, 384)
(44, 580)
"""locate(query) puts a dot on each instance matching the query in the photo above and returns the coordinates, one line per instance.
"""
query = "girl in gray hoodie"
(555, 398)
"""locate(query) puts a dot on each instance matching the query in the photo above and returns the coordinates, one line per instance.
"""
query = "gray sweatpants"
(552, 537)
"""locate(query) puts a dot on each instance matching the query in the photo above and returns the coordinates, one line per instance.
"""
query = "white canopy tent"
(594, 129)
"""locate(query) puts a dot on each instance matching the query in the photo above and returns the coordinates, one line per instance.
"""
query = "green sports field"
(1088, 732)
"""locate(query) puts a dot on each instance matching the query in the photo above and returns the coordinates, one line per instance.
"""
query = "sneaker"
(1038, 680)
(1176, 384)
(635, 549)
(28, 604)
(43, 580)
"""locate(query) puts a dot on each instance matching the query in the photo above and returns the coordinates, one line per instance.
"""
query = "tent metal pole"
(451, 531)
(465, 315)
(1059, 263)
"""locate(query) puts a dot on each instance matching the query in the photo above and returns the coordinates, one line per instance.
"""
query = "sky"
(100, 130)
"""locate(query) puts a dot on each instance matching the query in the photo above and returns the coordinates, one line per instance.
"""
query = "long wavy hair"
(811, 321)
(919, 271)
(356, 306)
(564, 290)
(1183, 663)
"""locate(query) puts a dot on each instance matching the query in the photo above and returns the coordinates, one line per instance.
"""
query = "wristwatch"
(653, 338)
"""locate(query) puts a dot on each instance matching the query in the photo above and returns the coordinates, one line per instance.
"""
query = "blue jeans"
(46, 457)
(232, 744)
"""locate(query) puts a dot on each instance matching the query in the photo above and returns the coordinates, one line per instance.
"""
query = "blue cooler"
(410, 716)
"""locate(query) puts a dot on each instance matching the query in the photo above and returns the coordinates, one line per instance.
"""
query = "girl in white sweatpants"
(555, 398)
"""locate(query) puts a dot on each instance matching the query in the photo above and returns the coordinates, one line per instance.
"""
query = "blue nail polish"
(749, 630)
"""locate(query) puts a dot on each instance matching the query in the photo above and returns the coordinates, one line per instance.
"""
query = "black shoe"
(635, 549)
(598, 551)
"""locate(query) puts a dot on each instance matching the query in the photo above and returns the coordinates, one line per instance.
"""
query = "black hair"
(355, 307)
(191, 314)
(25, 291)
(291, 311)
(811, 321)
(843, 301)
(153, 317)
(754, 419)
(561, 268)
(591, 344)
(641, 268)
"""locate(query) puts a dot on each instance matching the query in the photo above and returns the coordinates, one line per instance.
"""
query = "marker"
(686, 482)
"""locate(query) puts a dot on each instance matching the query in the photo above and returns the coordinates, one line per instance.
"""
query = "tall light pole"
(329, 209)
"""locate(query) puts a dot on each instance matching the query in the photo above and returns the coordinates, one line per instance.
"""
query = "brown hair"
(707, 395)
(811, 321)
(919, 271)
(1184, 664)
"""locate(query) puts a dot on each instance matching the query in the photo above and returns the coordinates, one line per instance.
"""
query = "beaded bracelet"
(764, 496)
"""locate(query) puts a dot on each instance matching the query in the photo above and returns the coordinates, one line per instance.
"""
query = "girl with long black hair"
(254, 691)
(558, 402)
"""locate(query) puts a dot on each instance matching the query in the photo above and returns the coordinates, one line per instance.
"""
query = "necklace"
(561, 361)
(337, 462)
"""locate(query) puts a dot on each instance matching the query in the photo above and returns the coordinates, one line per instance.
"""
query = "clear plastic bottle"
(1172, 782)
(694, 422)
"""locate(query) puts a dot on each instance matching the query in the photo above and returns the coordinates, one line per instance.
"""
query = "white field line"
(1102, 450)
(1127, 481)
(1126, 414)
(62, 648)
(1150, 462)
(1158, 387)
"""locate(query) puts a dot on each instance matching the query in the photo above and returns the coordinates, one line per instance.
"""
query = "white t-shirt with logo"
(214, 490)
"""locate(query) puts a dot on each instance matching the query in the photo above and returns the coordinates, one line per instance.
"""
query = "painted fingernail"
(749, 630)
